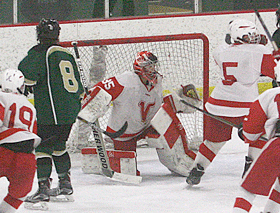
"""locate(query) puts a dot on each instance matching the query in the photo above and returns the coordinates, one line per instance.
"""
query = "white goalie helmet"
(12, 81)
(244, 31)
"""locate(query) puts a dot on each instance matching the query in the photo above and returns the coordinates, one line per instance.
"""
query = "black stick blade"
(118, 133)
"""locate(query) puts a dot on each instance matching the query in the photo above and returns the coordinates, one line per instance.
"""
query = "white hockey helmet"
(12, 81)
(146, 65)
(244, 31)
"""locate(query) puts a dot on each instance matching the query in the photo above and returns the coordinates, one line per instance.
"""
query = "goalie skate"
(43, 206)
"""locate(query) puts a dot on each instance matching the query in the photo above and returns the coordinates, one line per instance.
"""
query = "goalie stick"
(83, 78)
(111, 135)
(100, 146)
(216, 117)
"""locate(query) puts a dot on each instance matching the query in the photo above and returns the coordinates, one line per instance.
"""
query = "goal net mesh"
(183, 59)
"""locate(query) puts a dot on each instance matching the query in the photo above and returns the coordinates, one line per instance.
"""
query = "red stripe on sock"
(206, 152)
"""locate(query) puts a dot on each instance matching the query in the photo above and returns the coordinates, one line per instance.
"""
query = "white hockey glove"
(189, 94)
(95, 104)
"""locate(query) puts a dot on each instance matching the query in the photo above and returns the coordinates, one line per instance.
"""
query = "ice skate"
(64, 191)
(195, 175)
(38, 200)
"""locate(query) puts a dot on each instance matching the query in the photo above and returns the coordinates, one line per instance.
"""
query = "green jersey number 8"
(68, 76)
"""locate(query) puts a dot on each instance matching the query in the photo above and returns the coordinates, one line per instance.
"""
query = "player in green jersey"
(53, 73)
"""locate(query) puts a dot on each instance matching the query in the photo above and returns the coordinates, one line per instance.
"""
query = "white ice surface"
(160, 191)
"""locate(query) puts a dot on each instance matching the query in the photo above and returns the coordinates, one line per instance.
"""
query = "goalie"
(137, 98)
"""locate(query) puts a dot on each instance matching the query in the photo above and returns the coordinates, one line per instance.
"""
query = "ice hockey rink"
(160, 191)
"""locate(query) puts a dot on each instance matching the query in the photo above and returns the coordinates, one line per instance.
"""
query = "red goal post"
(183, 59)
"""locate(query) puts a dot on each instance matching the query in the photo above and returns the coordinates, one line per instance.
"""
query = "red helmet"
(146, 65)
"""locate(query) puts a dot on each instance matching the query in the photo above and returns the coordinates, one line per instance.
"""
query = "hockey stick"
(80, 67)
(100, 146)
(217, 118)
(83, 78)
(274, 45)
(211, 115)
(111, 135)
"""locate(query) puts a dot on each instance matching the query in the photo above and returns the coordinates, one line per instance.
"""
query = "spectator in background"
(249, 4)
(34, 10)
(99, 8)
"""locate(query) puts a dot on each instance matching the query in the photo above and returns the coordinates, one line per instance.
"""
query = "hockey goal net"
(183, 58)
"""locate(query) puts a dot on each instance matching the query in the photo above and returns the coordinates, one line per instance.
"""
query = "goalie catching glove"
(187, 93)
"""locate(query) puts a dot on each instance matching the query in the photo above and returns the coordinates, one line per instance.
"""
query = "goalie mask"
(244, 31)
(48, 31)
(12, 81)
(146, 65)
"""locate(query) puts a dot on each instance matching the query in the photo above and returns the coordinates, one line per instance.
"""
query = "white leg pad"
(155, 143)
(175, 158)
(170, 148)
(120, 161)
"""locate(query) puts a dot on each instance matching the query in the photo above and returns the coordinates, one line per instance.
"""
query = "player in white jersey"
(241, 65)
(137, 98)
(262, 177)
(18, 138)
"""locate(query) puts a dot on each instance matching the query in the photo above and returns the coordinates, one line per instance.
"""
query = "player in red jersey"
(262, 177)
(18, 139)
(241, 65)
